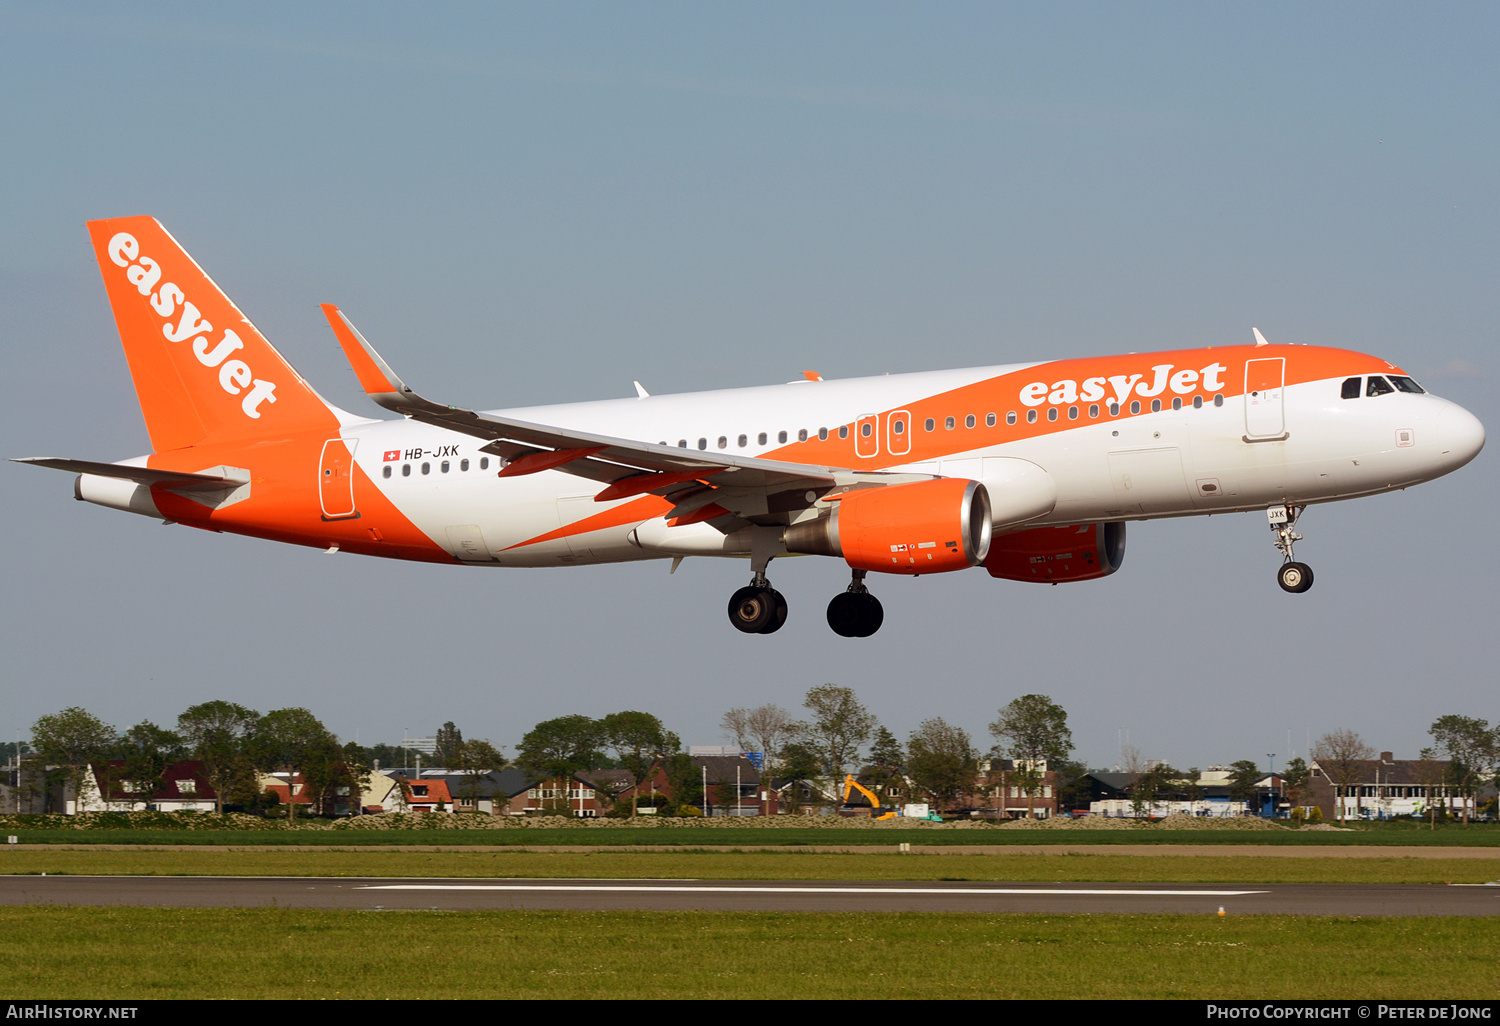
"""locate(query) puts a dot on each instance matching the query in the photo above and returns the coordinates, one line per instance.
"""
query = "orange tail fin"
(201, 369)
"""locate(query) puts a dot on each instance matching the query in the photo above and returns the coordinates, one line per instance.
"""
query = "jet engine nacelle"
(1050, 555)
(926, 527)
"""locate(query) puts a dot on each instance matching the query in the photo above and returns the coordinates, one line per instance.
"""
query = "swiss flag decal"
(392, 454)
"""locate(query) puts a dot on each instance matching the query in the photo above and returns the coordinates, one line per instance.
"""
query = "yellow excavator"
(876, 812)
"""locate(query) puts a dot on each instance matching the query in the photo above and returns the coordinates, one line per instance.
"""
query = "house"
(1113, 795)
(1009, 791)
(1381, 788)
(183, 787)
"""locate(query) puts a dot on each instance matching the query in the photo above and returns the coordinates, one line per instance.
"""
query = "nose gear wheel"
(1293, 576)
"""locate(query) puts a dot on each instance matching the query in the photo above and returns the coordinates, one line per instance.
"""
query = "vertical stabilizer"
(201, 369)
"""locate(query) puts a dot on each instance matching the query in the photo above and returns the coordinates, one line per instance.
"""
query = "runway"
(751, 896)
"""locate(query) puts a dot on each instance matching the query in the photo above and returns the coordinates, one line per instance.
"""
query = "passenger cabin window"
(445, 466)
(743, 441)
(1031, 416)
(781, 437)
(1350, 389)
(406, 470)
(948, 423)
(802, 434)
(1010, 418)
(385, 471)
(760, 439)
(989, 420)
(929, 424)
(463, 464)
(723, 441)
(1376, 385)
(427, 468)
(484, 463)
(822, 434)
(969, 421)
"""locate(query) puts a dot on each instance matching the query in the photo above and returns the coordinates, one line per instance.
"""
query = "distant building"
(1382, 788)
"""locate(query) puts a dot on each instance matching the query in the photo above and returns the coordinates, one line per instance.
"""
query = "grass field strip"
(761, 889)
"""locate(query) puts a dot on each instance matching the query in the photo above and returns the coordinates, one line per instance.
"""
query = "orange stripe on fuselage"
(644, 508)
(1003, 394)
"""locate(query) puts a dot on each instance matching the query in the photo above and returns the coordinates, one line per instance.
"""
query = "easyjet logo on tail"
(1182, 382)
(235, 375)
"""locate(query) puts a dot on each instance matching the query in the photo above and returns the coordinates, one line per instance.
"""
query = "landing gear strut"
(855, 613)
(1293, 576)
(757, 608)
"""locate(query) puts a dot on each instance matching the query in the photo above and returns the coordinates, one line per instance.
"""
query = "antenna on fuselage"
(1260, 340)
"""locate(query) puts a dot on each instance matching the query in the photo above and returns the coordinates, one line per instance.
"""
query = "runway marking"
(1092, 892)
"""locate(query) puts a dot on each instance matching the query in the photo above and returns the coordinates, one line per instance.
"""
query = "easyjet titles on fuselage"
(1183, 382)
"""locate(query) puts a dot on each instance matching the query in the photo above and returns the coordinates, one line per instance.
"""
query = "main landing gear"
(1293, 576)
(855, 613)
(757, 608)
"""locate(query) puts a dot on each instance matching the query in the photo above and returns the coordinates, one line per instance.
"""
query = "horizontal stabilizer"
(173, 479)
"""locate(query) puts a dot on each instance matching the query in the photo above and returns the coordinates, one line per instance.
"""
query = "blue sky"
(523, 204)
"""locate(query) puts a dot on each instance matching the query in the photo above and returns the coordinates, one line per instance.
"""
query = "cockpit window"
(1404, 384)
(1376, 385)
(1351, 389)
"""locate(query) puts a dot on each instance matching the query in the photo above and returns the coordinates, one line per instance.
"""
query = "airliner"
(1029, 470)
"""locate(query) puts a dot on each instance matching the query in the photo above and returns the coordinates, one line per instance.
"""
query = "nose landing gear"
(1293, 576)
(855, 613)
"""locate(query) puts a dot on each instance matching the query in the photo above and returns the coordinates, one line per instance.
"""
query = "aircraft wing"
(757, 490)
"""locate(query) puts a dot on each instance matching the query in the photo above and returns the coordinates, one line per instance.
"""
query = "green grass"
(754, 865)
(1480, 835)
(136, 953)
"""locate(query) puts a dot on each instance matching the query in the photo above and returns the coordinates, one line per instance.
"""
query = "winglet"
(1260, 340)
(375, 375)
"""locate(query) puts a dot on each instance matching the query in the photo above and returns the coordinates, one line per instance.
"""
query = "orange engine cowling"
(1050, 555)
(926, 527)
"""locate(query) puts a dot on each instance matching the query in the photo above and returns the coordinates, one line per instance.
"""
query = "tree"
(145, 751)
(942, 761)
(1471, 746)
(1031, 731)
(1432, 774)
(765, 729)
(799, 762)
(450, 741)
(1243, 776)
(840, 725)
(1156, 782)
(295, 742)
(639, 740)
(887, 765)
(217, 734)
(561, 747)
(1342, 755)
(73, 738)
(1294, 781)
